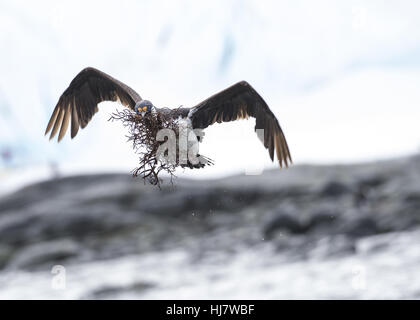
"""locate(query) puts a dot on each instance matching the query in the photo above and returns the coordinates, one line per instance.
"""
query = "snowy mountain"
(342, 78)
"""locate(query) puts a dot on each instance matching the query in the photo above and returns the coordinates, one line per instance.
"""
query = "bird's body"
(180, 118)
(79, 103)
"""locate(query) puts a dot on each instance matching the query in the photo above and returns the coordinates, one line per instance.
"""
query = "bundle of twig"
(143, 132)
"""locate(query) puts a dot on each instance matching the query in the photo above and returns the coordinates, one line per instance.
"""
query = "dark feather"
(80, 100)
(241, 101)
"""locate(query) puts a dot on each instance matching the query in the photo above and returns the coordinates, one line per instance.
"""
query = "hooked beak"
(143, 113)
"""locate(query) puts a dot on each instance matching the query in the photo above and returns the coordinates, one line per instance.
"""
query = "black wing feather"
(79, 102)
(241, 101)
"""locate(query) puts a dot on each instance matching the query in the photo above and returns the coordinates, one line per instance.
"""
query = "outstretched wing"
(241, 101)
(80, 100)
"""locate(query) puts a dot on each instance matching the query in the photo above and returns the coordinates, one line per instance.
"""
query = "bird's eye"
(139, 109)
(145, 108)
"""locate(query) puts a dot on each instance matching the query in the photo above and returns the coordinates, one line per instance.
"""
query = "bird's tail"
(204, 161)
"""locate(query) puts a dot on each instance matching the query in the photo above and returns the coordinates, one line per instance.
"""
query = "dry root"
(143, 132)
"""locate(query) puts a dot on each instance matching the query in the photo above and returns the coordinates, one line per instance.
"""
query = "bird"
(79, 102)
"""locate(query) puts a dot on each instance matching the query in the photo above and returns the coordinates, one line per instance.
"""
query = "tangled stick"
(143, 132)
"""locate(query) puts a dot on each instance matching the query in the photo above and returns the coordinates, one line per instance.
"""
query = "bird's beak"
(143, 113)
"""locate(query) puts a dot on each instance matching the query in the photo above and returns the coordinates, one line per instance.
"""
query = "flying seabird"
(79, 102)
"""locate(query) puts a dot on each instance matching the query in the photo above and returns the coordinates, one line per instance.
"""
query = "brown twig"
(142, 133)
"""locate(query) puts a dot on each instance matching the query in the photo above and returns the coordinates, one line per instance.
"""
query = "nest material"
(143, 132)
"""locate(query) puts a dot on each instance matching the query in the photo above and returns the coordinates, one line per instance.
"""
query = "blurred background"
(342, 222)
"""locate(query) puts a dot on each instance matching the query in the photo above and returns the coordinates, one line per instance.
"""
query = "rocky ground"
(348, 231)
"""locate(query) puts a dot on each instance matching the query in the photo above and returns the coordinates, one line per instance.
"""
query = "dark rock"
(44, 254)
(366, 187)
(361, 227)
(322, 217)
(321, 221)
(284, 221)
(112, 292)
(105, 216)
(334, 189)
(372, 181)
(6, 252)
(412, 197)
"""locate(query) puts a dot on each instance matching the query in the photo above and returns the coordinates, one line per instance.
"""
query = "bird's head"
(143, 107)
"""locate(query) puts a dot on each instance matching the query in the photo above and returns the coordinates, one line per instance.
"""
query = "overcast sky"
(343, 78)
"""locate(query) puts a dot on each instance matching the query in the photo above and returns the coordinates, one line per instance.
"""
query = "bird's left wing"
(241, 101)
(80, 100)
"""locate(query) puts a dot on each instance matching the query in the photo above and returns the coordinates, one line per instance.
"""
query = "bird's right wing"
(79, 102)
